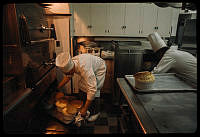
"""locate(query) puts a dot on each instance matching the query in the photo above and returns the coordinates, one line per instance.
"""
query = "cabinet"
(116, 19)
(108, 86)
(121, 19)
(99, 19)
(132, 19)
(81, 19)
(156, 19)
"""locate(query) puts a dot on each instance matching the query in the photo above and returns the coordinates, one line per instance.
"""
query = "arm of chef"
(65, 80)
(165, 64)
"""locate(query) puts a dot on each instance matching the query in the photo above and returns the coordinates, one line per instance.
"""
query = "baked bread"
(71, 109)
(144, 76)
(77, 103)
(65, 113)
(61, 104)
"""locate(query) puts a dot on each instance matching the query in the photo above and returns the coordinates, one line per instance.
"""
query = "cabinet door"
(164, 21)
(175, 15)
(81, 19)
(149, 17)
(99, 19)
(132, 19)
(116, 19)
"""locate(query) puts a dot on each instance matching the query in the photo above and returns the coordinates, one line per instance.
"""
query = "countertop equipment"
(162, 112)
(128, 57)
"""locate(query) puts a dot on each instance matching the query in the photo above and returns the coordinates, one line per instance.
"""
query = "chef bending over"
(173, 60)
(92, 70)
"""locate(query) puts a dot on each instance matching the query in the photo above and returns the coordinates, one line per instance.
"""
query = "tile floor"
(107, 123)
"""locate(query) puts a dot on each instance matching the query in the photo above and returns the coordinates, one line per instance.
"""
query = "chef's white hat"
(64, 62)
(156, 41)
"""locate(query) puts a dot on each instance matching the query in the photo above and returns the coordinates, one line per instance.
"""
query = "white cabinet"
(99, 19)
(149, 15)
(132, 19)
(121, 19)
(175, 15)
(157, 19)
(116, 19)
(124, 19)
(81, 13)
(90, 19)
(164, 21)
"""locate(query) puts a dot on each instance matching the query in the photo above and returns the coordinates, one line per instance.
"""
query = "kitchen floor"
(107, 123)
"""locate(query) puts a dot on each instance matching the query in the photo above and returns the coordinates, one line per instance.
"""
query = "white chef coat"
(92, 70)
(179, 62)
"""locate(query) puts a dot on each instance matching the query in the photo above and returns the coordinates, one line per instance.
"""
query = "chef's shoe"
(79, 120)
(93, 117)
(87, 114)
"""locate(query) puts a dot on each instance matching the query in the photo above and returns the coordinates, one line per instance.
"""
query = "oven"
(29, 72)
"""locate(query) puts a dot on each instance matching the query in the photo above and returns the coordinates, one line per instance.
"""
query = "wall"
(62, 33)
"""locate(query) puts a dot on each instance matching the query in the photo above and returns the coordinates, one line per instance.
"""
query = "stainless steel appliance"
(186, 33)
(128, 58)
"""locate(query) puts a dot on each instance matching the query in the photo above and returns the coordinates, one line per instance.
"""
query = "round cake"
(144, 80)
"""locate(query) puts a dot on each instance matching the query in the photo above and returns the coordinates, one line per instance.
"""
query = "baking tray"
(51, 110)
(165, 82)
(59, 116)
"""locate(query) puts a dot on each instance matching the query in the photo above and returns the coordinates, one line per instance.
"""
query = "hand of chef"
(85, 108)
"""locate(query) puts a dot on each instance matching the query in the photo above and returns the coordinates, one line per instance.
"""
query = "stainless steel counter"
(162, 112)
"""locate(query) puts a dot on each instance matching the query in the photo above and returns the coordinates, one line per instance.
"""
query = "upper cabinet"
(116, 19)
(157, 19)
(99, 19)
(81, 14)
(121, 19)
(132, 20)
(163, 23)
(149, 18)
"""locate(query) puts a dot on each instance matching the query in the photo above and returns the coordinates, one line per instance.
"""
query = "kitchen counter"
(162, 112)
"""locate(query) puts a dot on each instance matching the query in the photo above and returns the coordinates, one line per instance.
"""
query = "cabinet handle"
(125, 27)
(105, 31)
(108, 31)
(139, 31)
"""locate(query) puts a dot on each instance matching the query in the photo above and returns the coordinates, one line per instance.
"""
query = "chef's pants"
(95, 106)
